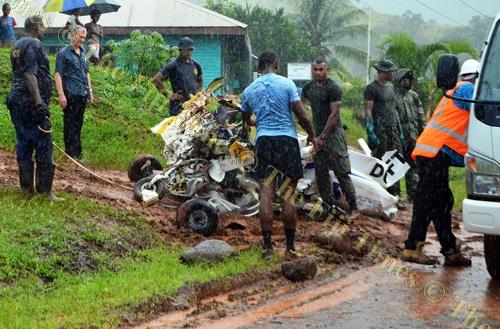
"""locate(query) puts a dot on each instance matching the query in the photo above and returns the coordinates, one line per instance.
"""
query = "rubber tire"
(139, 185)
(492, 254)
(199, 216)
(134, 169)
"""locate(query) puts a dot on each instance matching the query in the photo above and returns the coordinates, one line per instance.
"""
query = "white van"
(481, 208)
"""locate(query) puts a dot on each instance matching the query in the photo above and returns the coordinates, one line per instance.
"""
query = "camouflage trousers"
(388, 135)
(412, 174)
(338, 161)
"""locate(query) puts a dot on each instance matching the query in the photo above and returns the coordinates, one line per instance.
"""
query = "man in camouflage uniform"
(325, 98)
(412, 118)
(381, 119)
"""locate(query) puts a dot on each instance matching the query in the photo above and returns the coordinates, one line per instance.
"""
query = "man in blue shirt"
(7, 23)
(74, 89)
(273, 98)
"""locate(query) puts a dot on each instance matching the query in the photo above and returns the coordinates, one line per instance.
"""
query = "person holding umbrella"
(72, 23)
(7, 24)
(94, 35)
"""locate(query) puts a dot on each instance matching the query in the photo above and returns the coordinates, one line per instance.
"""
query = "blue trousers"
(29, 138)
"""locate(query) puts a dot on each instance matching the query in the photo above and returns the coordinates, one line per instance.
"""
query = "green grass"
(354, 130)
(116, 126)
(77, 264)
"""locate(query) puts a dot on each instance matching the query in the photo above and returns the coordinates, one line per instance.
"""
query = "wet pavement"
(393, 294)
(441, 298)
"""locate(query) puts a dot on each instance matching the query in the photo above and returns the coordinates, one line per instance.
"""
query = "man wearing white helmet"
(442, 144)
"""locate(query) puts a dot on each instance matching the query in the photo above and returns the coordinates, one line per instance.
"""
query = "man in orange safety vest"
(442, 144)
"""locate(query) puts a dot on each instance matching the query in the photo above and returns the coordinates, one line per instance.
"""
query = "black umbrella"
(103, 6)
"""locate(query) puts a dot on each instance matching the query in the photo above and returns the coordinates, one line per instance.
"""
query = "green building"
(222, 44)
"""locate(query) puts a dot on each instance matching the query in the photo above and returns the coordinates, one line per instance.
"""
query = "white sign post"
(299, 71)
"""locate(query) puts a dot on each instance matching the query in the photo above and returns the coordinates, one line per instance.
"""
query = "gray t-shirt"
(384, 101)
(320, 98)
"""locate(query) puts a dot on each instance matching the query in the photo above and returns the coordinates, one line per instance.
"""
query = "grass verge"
(80, 265)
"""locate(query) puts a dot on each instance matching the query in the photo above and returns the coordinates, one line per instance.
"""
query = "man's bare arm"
(332, 119)
(200, 84)
(158, 82)
(369, 108)
(304, 122)
(247, 117)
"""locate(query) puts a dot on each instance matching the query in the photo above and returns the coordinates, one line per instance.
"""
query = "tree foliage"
(422, 60)
(327, 22)
(142, 53)
(268, 30)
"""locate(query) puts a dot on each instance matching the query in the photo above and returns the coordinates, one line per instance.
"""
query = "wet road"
(395, 294)
(441, 298)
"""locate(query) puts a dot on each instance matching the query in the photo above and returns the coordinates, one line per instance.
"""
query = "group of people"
(29, 98)
(394, 120)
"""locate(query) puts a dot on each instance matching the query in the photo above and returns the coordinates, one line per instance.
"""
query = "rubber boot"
(418, 255)
(455, 258)
(26, 177)
(44, 178)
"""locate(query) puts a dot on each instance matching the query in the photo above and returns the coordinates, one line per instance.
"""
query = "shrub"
(142, 53)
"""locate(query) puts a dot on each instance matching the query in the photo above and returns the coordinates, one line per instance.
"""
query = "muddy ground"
(255, 299)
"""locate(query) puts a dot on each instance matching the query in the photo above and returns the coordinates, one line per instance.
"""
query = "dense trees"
(268, 30)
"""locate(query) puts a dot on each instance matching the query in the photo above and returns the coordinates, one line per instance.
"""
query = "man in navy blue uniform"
(28, 105)
(185, 76)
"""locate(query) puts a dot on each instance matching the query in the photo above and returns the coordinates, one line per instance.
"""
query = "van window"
(489, 83)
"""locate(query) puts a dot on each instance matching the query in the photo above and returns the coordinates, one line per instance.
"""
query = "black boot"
(44, 178)
(26, 175)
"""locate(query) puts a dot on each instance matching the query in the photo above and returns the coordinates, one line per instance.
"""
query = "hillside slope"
(116, 126)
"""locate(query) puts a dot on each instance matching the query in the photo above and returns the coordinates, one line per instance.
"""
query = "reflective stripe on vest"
(433, 123)
(426, 148)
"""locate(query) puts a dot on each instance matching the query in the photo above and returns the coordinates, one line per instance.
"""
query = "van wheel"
(492, 254)
(143, 166)
(199, 216)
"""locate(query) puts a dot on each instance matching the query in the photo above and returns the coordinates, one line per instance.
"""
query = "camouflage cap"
(385, 65)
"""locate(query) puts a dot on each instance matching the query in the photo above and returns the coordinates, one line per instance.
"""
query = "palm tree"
(421, 59)
(326, 22)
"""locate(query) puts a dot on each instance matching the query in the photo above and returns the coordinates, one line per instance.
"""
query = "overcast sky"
(456, 10)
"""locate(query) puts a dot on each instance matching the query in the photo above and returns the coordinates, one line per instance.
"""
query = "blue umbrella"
(65, 5)
(102, 6)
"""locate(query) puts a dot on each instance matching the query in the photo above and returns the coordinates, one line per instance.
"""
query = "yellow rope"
(89, 171)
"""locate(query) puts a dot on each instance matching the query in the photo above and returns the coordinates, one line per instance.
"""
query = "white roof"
(149, 13)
